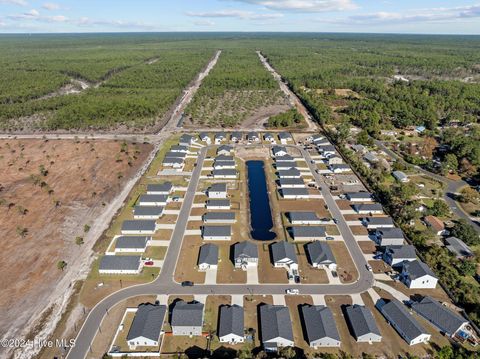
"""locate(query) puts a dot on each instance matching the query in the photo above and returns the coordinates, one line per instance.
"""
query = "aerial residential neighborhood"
(240, 179)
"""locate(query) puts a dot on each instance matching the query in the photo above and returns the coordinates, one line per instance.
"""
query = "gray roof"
(120, 263)
(458, 247)
(371, 157)
(398, 314)
(294, 192)
(417, 269)
(361, 320)
(339, 166)
(238, 135)
(220, 135)
(218, 202)
(326, 148)
(284, 135)
(148, 322)
(168, 160)
(160, 187)
(284, 158)
(245, 250)
(369, 207)
(267, 135)
(380, 220)
(225, 148)
(187, 314)
(252, 135)
(216, 231)
(275, 322)
(218, 187)
(443, 318)
(358, 147)
(178, 148)
(276, 149)
(290, 181)
(204, 134)
(138, 224)
(127, 242)
(171, 154)
(319, 252)
(223, 163)
(280, 163)
(399, 175)
(212, 216)
(208, 254)
(289, 172)
(226, 172)
(282, 250)
(148, 210)
(153, 198)
(406, 251)
(224, 158)
(308, 231)
(303, 216)
(391, 232)
(319, 322)
(185, 138)
(358, 195)
(231, 320)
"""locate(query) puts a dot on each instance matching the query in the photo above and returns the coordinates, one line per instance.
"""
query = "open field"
(50, 190)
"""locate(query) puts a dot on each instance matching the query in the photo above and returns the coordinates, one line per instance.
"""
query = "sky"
(364, 16)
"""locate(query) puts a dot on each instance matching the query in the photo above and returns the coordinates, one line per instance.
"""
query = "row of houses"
(252, 137)
(245, 255)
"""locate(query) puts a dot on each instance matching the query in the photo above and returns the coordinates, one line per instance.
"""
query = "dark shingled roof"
(319, 322)
(319, 252)
(231, 320)
(217, 231)
(139, 224)
(361, 320)
(147, 322)
(217, 216)
(442, 317)
(148, 211)
(160, 187)
(308, 231)
(187, 314)
(208, 254)
(120, 263)
(127, 242)
(398, 314)
(303, 216)
(275, 322)
(282, 249)
(245, 250)
(417, 269)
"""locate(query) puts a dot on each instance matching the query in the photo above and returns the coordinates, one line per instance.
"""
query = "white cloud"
(305, 6)
(85, 21)
(204, 23)
(14, 2)
(50, 6)
(240, 14)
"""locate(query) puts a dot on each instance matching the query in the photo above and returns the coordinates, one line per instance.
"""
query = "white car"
(292, 291)
(369, 268)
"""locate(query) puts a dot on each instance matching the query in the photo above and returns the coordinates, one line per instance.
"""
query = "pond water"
(260, 212)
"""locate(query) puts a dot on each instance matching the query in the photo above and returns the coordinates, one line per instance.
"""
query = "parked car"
(369, 267)
(329, 238)
(187, 283)
(296, 279)
(148, 263)
(292, 291)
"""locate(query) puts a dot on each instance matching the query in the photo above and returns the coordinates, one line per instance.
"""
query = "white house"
(231, 324)
(275, 327)
(368, 208)
(294, 193)
(205, 137)
(208, 257)
(120, 265)
(218, 204)
(218, 191)
(279, 151)
(146, 327)
(418, 275)
(131, 244)
(217, 233)
(283, 255)
(362, 324)
(285, 137)
(320, 255)
(269, 137)
(400, 176)
(304, 217)
(139, 227)
(153, 200)
(339, 168)
(224, 150)
(224, 173)
(320, 328)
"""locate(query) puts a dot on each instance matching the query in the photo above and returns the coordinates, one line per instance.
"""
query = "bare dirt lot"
(51, 193)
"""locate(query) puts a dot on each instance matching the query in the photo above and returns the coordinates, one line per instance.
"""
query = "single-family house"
(153, 200)
(435, 224)
(147, 212)
(285, 137)
(389, 237)
(253, 137)
(180, 149)
(334, 160)
(290, 173)
(223, 157)
(395, 256)
(205, 137)
(304, 217)
(224, 150)
(308, 233)
(224, 165)
(231, 324)
(131, 244)
(286, 158)
(187, 140)
(284, 165)
(219, 137)
(458, 247)
(362, 324)
(403, 322)
(400, 176)
(283, 255)
(142, 226)
(358, 196)
(326, 150)
(275, 327)
(267, 136)
(225, 173)
(208, 257)
(187, 318)
(218, 204)
(320, 255)
(236, 136)
(146, 326)
(444, 319)
(120, 265)
(418, 275)
(217, 233)
(217, 190)
(359, 148)
(339, 168)
(320, 328)
(315, 138)
(172, 154)
(279, 151)
(245, 254)
(294, 193)
(160, 188)
(176, 163)
(219, 218)
(368, 208)
(378, 222)
(291, 183)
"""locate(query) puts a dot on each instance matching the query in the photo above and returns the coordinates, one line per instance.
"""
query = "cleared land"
(50, 190)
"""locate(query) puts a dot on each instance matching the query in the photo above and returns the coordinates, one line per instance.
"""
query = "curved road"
(165, 284)
(453, 187)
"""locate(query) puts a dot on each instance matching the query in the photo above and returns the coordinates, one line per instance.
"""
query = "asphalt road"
(453, 187)
(165, 284)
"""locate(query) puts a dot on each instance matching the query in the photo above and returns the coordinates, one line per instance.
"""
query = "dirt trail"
(295, 101)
